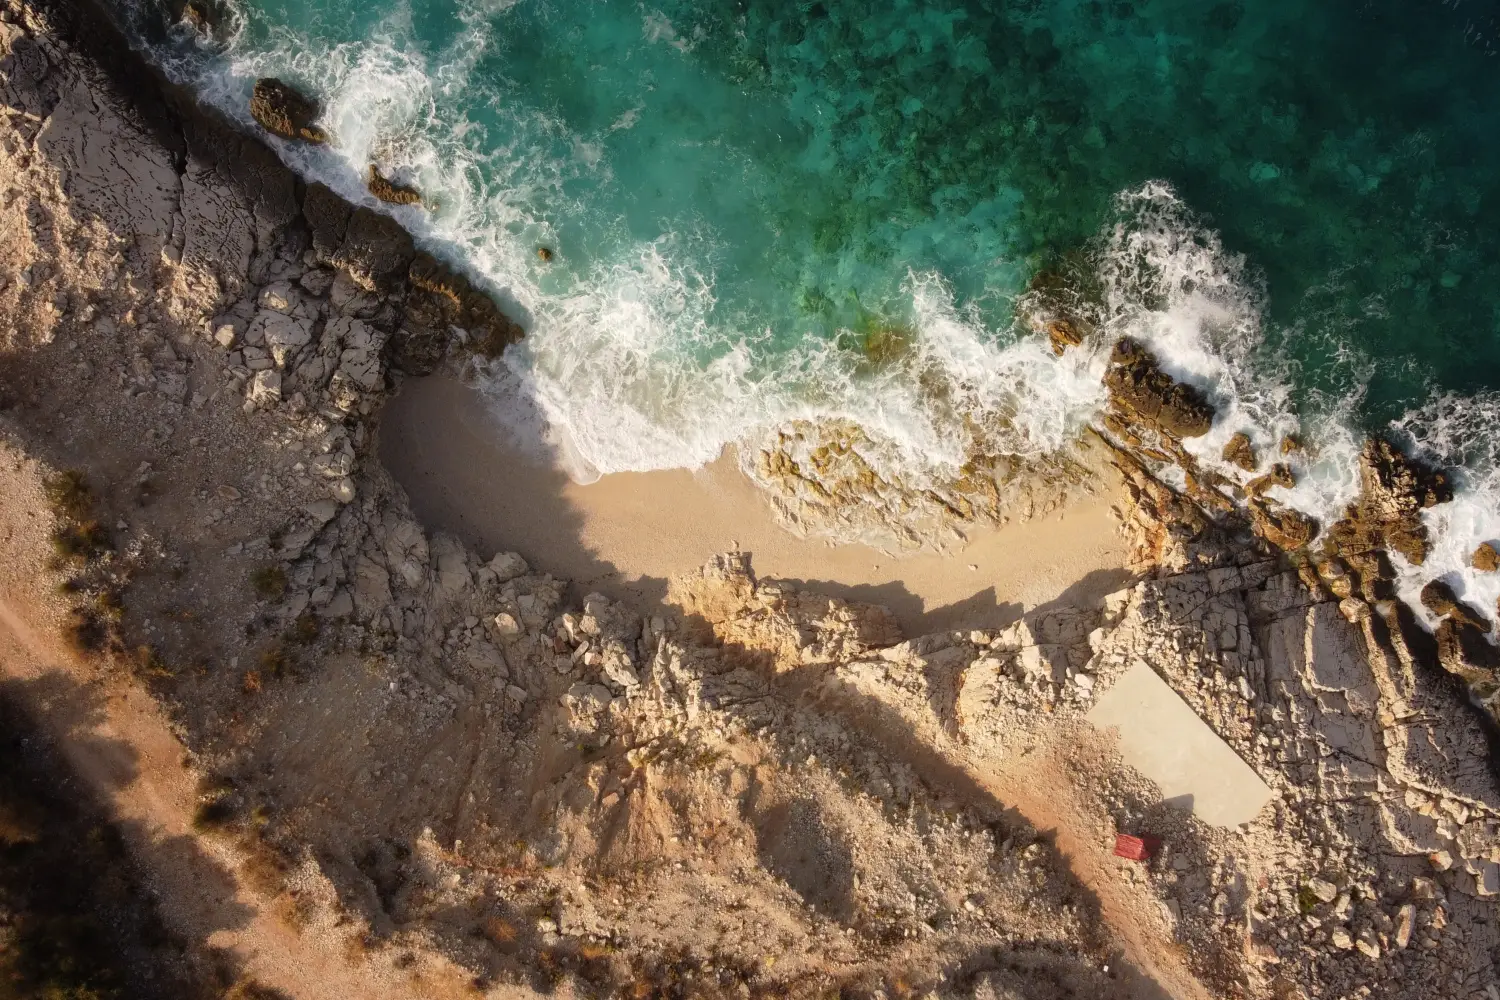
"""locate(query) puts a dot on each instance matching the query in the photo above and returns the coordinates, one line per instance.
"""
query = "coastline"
(627, 534)
(454, 772)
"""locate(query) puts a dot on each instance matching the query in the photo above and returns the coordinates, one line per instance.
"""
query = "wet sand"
(627, 533)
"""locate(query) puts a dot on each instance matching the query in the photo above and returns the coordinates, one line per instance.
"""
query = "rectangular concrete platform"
(1164, 739)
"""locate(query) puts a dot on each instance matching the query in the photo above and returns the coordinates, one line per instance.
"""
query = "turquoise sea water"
(1296, 203)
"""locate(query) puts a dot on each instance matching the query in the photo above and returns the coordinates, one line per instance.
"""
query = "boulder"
(1281, 526)
(1486, 558)
(1062, 335)
(1440, 599)
(389, 191)
(1463, 650)
(1280, 475)
(282, 110)
(1394, 490)
(1239, 451)
(1140, 391)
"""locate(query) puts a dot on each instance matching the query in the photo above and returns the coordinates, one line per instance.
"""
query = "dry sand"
(627, 533)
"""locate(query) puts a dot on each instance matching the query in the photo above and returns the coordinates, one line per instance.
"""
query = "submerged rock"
(1239, 451)
(1145, 394)
(391, 192)
(282, 110)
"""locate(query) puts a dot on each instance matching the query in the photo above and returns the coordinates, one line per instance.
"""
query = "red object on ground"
(1136, 848)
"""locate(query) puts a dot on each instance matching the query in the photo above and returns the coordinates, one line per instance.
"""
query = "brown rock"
(1291, 444)
(1143, 393)
(1486, 558)
(441, 297)
(1063, 335)
(1439, 598)
(1394, 489)
(1281, 526)
(1280, 475)
(544, 253)
(1239, 451)
(281, 110)
(1463, 650)
(390, 192)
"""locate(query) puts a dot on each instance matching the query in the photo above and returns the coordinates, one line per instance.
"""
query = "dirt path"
(117, 742)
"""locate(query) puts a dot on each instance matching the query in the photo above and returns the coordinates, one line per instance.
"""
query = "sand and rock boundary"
(429, 759)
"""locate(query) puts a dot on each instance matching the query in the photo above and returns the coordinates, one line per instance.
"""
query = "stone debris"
(482, 764)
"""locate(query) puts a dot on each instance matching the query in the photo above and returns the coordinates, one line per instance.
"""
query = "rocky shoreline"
(423, 754)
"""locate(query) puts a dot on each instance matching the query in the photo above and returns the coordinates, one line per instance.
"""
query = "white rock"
(343, 490)
(265, 388)
(1324, 890)
(1085, 682)
(225, 336)
(1341, 938)
(506, 624)
(278, 297)
(1406, 919)
(508, 566)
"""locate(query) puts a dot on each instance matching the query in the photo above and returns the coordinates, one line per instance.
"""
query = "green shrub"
(68, 495)
(269, 582)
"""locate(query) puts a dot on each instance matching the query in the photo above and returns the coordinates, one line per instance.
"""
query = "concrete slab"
(1164, 739)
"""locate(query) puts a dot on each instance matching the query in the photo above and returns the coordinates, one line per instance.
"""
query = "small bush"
(80, 542)
(148, 663)
(275, 663)
(68, 495)
(304, 630)
(84, 632)
(213, 814)
(269, 582)
(250, 683)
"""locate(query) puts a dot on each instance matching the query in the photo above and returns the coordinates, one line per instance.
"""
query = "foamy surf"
(631, 363)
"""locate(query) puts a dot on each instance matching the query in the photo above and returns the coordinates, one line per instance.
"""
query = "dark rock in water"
(282, 111)
(1281, 526)
(441, 297)
(1280, 475)
(1463, 650)
(1063, 335)
(390, 192)
(1486, 558)
(1239, 451)
(545, 253)
(197, 13)
(1145, 394)
(1291, 444)
(1440, 599)
(1394, 489)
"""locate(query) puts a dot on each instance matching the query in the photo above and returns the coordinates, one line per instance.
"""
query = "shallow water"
(1297, 204)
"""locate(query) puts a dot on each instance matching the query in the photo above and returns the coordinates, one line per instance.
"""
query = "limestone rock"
(1440, 599)
(282, 110)
(1283, 527)
(1141, 391)
(1394, 489)
(1486, 558)
(1239, 451)
(390, 192)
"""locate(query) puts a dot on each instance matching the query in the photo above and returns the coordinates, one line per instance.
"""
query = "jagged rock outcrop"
(1239, 451)
(1394, 489)
(282, 110)
(1144, 394)
(390, 192)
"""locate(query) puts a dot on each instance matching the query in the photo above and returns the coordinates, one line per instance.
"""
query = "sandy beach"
(628, 533)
